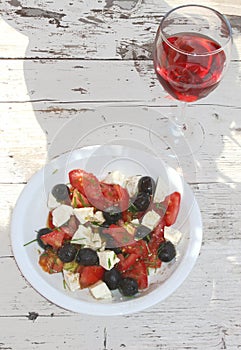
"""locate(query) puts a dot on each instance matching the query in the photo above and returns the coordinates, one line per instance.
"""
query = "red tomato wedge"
(153, 261)
(173, 205)
(79, 200)
(109, 192)
(126, 262)
(91, 275)
(54, 238)
(139, 248)
(88, 185)
(76, 179)
(138, 271)
(123, 197)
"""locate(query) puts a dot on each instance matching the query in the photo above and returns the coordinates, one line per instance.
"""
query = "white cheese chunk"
(100, 290)
(87, 214)
(52, 202)
(135, 222)
(96, 242)
(161, 191)
(108, 259)
(150, 219)
(131, 184)
(84, 214)
(72, 280)
(98, 217)
(115, 177)
(83, 235)
(62, 214)
(172, 234)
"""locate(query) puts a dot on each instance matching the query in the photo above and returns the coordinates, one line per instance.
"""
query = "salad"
(108, 234)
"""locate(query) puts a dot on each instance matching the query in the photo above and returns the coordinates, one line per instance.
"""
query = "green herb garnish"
(34, 240)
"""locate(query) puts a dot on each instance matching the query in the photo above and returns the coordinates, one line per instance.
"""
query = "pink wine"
(182, 74)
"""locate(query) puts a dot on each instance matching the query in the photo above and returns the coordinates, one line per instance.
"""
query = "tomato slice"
(79, 200)
(109, 192)
(89, 186)
(76, 179)
(138, 271)
(123, 197)
(126, 262)
(54, 238)
(91, 275)
(172, 203)
(139, 248)
(153, 261)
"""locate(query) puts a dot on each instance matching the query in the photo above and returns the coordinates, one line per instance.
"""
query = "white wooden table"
(61, 58)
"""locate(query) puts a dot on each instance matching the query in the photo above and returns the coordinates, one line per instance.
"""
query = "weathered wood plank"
(93, 29)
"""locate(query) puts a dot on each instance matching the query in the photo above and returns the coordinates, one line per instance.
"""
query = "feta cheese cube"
(84, 214)
(87, 214)
(98, 217)
(150, 219)
(108, 259)
(100, 290)
(172, 234)
(72, 280)
(96, 242)
(115, 177)
(135, 222)
(131, 184)
(52, 202)
(83, 235)
(62, 214)
(162, 190)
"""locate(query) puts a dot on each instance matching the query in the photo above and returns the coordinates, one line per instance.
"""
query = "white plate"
(31, 212)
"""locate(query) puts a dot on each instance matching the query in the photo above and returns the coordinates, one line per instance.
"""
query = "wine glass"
(191, 54)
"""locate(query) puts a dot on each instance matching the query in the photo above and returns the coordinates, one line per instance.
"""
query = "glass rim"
(219, 14)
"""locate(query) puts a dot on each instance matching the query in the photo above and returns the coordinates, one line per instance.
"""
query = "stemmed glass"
(191, 54)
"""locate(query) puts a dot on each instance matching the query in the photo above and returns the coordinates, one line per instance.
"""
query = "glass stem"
(181, 120)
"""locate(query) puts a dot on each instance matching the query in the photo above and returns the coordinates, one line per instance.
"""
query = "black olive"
(128, 286)
(142, 201)
(166, 251)
(112, 278)
(60, 192)
(67, 252)
(112, 215)
(87, 257)
(146, 184)
(42, 232)
(142, 231)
